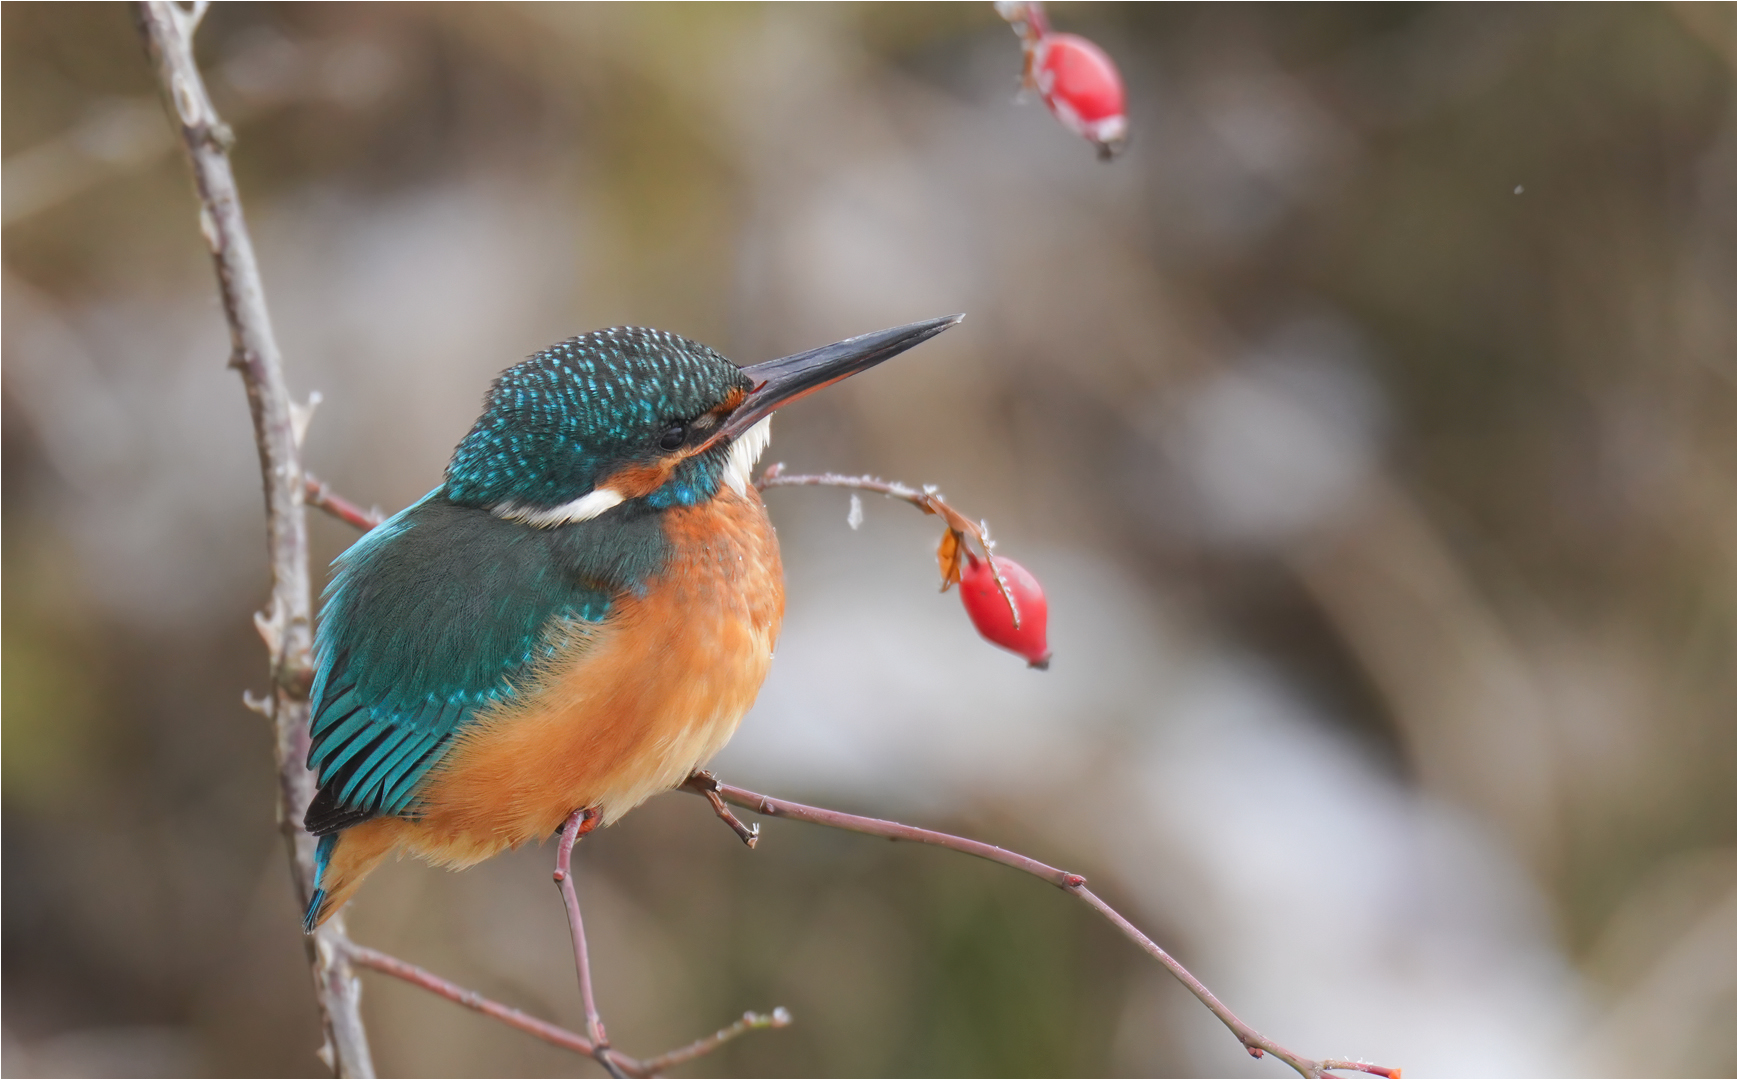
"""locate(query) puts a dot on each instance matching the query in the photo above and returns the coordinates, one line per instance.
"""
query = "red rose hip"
(989, 609)
(1082, 87)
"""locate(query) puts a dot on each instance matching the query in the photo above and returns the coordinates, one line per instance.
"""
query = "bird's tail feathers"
(322, 856)
(341, 862)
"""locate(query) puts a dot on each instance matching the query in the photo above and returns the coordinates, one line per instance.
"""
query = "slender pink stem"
(893, 830)
(578, 824)
(704, 783)
(386, 964)
(1255, 1042)
(322, 497)
(751, 1021)
(1360, 1066)
(470, 999)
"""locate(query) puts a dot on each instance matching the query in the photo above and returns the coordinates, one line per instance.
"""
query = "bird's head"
(628, 414)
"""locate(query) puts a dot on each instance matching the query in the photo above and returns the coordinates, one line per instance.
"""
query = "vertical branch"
(578, 824)
(286, 625)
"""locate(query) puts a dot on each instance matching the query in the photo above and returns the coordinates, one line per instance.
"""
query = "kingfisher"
(577, 618)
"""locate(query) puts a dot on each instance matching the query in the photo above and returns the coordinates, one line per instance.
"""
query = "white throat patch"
(744, 452)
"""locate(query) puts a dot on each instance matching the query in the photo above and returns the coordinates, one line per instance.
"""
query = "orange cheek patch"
(639, 480)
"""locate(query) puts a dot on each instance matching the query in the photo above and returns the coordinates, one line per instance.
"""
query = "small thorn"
(707, 784)
(769, 474)
(267, 631)
(301, 415)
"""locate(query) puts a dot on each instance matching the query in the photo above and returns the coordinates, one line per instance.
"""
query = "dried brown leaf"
(950, 552)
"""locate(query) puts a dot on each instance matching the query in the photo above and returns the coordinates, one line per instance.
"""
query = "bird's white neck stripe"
(584, 508)
(738, 472)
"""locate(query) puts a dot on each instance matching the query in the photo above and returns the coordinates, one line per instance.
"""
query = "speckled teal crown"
(560, 420)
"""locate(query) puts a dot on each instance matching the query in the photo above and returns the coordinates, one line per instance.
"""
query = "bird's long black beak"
(780, 382)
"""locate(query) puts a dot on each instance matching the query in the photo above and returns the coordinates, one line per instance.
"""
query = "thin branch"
(928, 500)
(322, 497)
(287, 624)
(751, 1021)
(704, 783)
(577, 825)
(1359, 1066)
(892, 830)
(386, 964)
(363, 956)
(1255, 1042)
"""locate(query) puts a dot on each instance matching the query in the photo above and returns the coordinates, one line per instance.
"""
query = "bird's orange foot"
(707, 784)
(571, 832)
(589, 819)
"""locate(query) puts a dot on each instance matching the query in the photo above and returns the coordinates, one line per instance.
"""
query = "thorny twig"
(707, 786)
(928, 500)
(277, 421)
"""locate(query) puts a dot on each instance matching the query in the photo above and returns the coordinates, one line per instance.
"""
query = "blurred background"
(1370, 422)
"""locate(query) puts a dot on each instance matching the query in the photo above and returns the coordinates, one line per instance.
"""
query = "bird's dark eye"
(673, 436)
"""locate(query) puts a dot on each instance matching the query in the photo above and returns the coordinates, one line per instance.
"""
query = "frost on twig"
(929, 500)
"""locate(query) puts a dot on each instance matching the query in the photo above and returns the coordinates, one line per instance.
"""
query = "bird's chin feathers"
(744, 452)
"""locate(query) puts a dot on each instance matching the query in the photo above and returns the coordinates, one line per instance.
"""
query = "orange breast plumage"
(621, 711)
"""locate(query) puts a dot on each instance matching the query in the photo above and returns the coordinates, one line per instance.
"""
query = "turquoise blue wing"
(429, 620)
